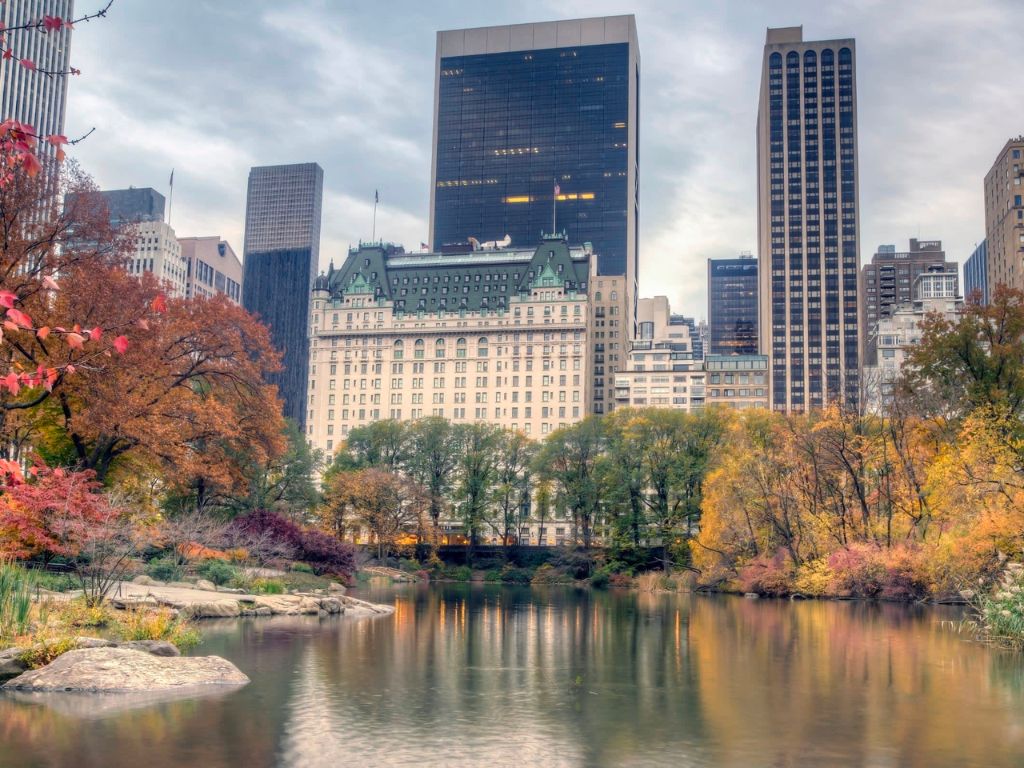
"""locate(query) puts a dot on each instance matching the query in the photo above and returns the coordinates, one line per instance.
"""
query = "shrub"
(217, 571)
(600, 580)
(814, 578)
(510, 574)
(302, 567)
(767, 575)
(652, 581)
(548, 574)
(160, 624)
(458, 573)
(621, 580)
(41, 654)
(55, 582)
(269, 535)
(267, 587)
(492, 575)
(80, 614)
(164, 569)
(576, 562)
(409, 564)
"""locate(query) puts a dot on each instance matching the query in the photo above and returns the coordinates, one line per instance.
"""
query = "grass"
(16, 585)
(158, 624)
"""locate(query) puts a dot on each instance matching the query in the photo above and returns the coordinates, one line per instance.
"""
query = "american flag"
(558, 189)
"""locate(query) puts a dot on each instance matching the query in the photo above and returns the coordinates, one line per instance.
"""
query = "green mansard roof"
(470, 281)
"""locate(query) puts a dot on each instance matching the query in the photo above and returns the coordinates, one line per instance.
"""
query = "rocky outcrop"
(116, 670)
(213, 609)
(206, 585)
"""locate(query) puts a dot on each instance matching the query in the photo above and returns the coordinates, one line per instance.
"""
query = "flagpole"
(554, 202)
(170, 198)
(373, 231)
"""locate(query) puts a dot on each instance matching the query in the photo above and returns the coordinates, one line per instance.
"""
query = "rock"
(124, 603)
(213, 609)
(331, 605)
(146, 581)
(231, 590)
(263, 611)
(309, 605)
(93, 642)
(120, 669)
(751, 595)
(336, 588)
(11, 664)
(354, 607)
(155, 647)
(287, 605)
(181, 585)
(322, 613)
(206, 585)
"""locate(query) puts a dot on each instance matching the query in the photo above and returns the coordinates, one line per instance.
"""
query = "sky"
(213, 87)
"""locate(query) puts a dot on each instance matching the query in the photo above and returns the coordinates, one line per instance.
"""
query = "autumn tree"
(387, 504)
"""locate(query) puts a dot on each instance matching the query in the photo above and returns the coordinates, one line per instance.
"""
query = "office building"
(889, 281)
(28, 95)
(1004, 217)
(732, 306)
(501, 336)
(976, 274)
(212, 268)
(280, 259)
(535, 130)
(808, 220)
(737, 381)
(155, 248)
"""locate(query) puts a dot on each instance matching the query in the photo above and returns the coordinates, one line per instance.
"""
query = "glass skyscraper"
(732, 306)
(281, 256)
(808, 220)
(976, 273)
(535, 129)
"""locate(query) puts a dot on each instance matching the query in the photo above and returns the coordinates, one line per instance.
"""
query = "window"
(398, 349)
(460, 348)
(418, 349)
(439, 348)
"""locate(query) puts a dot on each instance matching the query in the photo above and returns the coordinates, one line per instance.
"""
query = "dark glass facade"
(271, 289)
(732, 306)
(282, 246)
(976, 273)
(512, 125)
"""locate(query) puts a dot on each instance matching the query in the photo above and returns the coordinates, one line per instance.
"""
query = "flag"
(558, 189)
(424, 246)
(376, 197)
(171, 182)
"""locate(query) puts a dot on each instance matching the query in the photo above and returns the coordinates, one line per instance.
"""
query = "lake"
(468, 675)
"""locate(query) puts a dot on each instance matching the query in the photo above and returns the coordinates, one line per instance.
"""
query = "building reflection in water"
(480, 675)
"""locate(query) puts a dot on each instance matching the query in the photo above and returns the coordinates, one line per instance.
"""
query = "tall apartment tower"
(732, 306)
(535, 129)
(889, 282)
(1004, 217)
(281, 255)
(31, 97)
(808, 220)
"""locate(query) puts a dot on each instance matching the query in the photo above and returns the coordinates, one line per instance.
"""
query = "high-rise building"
(156, 248)
(281, 255)
(30, 96)
(1004, 217)
(732, 306)
(212, 267)
(495, 335)
(889, 281)
(535, 130)
(976, 273)
(808, 220)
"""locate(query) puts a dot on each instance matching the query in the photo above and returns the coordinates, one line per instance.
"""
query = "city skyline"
(699, 190)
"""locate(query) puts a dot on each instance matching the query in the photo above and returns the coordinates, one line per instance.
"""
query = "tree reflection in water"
(475, 675)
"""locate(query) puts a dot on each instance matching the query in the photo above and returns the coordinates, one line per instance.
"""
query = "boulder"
(93, 642)
(181, 585)
(103, 670)
(146, 581)
(309, 605)
(206, 585)
(263, 611)
(213, 609)
(11, 664)
(155, 647)
(278, 604)
(336, 589)
(331, 605)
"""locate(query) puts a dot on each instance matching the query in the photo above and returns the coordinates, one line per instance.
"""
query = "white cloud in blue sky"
(211, 87)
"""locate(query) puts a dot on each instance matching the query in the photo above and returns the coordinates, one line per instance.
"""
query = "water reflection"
(473, 675)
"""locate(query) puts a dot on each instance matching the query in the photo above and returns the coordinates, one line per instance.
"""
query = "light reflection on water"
(478, 675)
